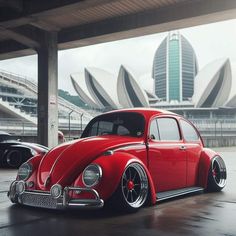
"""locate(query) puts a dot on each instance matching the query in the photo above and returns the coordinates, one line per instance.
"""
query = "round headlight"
(92, 175)
(24, 171)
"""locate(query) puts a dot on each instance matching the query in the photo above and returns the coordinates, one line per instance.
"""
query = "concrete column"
(48, 90)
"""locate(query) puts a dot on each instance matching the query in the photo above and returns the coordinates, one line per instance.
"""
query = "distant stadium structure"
(213, 84)
(109, 92)
(214, 87)
(18, 106)
(174, 82)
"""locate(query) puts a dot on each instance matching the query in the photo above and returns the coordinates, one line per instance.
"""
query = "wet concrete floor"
(204, 214)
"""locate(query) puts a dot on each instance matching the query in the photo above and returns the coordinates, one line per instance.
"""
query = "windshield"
(5, 137)
(119, 123)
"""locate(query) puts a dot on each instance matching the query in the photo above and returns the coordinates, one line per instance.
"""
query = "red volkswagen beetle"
(126, 158)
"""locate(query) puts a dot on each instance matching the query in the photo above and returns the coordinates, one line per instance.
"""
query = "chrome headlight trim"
(25, 171)
(98, 174)
(20, 187)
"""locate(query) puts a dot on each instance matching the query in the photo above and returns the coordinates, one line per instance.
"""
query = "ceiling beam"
(178, 16)
(16, 5)
(37, 12)
(11, 49)
(183, 15)
(20, 38)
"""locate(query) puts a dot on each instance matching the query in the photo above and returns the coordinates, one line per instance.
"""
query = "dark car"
(13, 152)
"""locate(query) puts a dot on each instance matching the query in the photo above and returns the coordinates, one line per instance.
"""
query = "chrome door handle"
(182, 148)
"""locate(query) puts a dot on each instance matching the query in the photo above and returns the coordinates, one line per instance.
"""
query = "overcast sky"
(210, 42)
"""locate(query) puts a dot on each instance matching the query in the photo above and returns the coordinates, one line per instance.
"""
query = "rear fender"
(204, 165)
(113, 167)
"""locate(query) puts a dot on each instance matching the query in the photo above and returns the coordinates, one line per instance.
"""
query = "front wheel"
(217, 175)
(132, 192)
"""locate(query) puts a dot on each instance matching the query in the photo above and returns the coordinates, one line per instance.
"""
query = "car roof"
(4, 133)
(146, 112)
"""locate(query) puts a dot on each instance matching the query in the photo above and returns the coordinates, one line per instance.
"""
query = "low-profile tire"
(13, 158)
(217, 175)
(132, 191)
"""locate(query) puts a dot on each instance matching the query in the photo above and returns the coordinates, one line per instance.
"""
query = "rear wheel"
(132, 192)
(217, 175)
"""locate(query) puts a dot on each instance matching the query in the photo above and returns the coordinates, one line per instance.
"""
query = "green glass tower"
(174, 69)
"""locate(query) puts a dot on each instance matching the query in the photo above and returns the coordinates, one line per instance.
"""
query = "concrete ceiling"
(86, 22)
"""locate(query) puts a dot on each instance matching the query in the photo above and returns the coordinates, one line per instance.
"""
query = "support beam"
(11, 49)
(19, 38)
(47, 90)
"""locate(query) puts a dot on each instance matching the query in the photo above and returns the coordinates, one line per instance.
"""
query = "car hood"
(65, 162)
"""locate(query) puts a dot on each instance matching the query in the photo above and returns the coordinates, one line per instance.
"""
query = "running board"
(161, 196)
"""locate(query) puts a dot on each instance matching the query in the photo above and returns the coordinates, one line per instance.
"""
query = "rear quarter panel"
(204, 165)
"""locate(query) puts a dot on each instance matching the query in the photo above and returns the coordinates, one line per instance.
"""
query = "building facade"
(174, 69)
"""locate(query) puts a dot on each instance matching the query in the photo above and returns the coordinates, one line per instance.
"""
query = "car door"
(193, 146)
(166, 154)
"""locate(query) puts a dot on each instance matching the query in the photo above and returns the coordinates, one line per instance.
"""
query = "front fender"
(204, 165)
(113, 167)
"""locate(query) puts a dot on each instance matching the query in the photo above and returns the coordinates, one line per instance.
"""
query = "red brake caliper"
(214, 172)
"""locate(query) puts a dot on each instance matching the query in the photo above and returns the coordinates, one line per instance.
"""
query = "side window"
(168, 129)
(189, 132)
(154, 133)
(101, 127)
(121, 130)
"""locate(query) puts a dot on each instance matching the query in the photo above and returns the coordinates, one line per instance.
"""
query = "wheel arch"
(113, 170)
(206, 157)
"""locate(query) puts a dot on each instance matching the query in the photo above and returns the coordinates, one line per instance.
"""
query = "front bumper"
(44, 199)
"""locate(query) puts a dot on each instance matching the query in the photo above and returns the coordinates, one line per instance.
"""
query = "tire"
(132, 191)
(13, 158)
(217, 175)
(1, 158)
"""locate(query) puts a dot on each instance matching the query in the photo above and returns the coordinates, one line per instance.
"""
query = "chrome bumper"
(44, 199)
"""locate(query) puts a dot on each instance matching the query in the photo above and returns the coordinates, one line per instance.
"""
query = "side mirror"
(151, 137)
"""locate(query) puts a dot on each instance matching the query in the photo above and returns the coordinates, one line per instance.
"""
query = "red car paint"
(167, 165)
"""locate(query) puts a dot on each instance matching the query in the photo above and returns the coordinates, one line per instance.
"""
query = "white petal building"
(212, 84)
(97, 88)
(102, 87)
(231, 102)
(102, 90)
(130, 93)
(79, 84)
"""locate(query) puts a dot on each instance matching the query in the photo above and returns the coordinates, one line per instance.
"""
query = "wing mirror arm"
(150, 137)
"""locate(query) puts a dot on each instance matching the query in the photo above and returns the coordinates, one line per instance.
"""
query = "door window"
(168, 129)
(189, 132)
(154, 132)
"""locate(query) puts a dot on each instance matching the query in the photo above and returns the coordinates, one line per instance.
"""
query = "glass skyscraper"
(174, 69)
